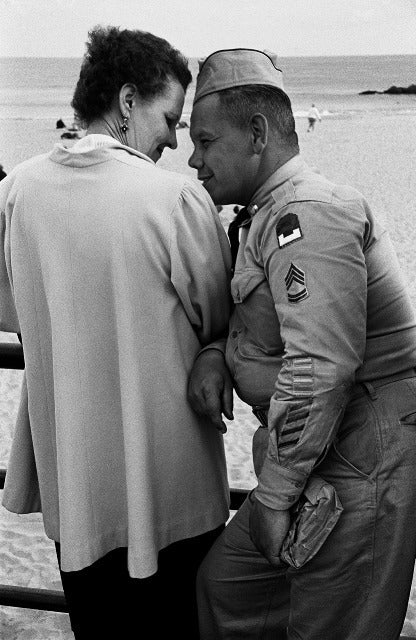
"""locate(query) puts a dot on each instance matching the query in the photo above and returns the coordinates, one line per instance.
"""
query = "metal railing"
(11, 357)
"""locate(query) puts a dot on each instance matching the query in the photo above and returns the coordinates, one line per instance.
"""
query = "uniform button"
(291, 498)
(234, 334)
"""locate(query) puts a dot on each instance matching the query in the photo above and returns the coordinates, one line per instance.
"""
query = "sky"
(59, 28)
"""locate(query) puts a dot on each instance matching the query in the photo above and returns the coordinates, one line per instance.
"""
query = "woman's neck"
(108, 126)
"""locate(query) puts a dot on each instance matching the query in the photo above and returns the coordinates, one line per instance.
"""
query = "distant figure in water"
(60, 124)
(3, 174)
(313, 116)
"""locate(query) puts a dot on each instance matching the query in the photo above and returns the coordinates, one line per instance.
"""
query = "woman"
(115, 273)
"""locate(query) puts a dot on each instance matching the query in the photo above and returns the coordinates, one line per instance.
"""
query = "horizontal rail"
(29, 598)
(11, 356)
(237, 497)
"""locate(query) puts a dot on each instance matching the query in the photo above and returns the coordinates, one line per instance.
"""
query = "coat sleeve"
(315, 266)
(201, 263)
(8, 315)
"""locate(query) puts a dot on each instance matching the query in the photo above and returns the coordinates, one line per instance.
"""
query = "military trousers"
(357, 586)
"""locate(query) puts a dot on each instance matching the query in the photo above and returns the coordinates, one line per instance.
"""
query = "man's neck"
(271, 164)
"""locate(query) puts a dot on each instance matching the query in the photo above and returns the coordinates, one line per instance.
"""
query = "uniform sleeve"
(315, 266)
(8, 315)
(201, 263)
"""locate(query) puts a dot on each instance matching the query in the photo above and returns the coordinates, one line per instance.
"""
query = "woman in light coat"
(115, 272)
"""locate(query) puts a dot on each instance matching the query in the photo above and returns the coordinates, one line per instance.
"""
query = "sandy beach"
(374, 153)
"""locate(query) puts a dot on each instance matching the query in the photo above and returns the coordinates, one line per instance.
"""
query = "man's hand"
(210, 388)
(268, 529)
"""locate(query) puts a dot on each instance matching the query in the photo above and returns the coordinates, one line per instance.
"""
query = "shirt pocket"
(409, 420)
(257, 328)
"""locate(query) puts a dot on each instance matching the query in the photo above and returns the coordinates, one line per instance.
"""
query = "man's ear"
(259, 132)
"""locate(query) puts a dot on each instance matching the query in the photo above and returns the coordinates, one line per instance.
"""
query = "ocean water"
(42, 88)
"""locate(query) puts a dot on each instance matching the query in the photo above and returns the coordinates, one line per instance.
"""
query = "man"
(322, 343)
(313, 116)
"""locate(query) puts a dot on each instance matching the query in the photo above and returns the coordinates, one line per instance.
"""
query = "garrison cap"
(230, 68)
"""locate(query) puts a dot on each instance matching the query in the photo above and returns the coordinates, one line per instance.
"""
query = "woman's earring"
(124, 127)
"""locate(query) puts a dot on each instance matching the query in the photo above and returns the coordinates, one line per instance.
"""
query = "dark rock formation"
(393, 90)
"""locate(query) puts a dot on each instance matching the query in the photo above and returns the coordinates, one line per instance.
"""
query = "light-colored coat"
(116, 273)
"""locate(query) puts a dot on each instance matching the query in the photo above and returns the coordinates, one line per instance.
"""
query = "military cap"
(229, 68)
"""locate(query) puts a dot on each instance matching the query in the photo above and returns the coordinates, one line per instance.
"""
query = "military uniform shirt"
(319, 304)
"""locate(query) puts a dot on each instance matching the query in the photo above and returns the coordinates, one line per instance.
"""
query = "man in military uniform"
(322, 343)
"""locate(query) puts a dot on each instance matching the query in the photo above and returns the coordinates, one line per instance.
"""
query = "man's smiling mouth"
(205, 179)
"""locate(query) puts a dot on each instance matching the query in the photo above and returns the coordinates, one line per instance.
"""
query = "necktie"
(233, 230)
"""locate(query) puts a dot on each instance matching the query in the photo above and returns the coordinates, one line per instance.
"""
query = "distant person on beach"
(116, 274)
(322, 345)
(3, 174)
(313, 116)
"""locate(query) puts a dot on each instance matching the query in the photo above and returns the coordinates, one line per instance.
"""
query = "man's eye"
(205, 142)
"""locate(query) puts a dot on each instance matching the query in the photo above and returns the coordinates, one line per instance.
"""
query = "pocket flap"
(244, 283)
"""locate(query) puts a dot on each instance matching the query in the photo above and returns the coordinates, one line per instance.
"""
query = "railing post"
(11, 356)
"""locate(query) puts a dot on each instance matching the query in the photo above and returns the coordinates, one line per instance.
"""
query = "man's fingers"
(213, 407)
(223, 428)
(196, 400)
(227, 400)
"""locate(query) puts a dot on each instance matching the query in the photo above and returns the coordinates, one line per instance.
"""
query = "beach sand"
(374, 153)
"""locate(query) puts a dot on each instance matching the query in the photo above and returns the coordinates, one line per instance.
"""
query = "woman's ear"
(259, 132)
(126, 96)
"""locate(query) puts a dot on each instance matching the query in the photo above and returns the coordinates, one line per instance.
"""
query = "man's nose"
(195, 160)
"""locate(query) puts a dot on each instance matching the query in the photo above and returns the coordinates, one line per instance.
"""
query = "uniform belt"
(380, 382)
(261, 412)
(261, 415)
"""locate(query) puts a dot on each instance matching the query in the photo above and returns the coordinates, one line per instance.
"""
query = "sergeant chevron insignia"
(295, 282)
(288, 230)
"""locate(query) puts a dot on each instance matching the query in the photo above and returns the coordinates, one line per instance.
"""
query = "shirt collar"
(98, 140)
(277, 178)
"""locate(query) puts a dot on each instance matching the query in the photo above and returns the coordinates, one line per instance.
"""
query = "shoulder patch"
(295, 282)
(288, 230)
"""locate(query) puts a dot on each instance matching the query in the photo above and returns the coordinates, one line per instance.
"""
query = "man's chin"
(217, 197)
(208, 187)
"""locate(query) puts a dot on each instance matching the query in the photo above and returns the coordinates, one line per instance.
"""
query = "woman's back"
(109, 268)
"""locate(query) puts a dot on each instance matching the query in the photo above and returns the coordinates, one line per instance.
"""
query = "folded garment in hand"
(314, 517)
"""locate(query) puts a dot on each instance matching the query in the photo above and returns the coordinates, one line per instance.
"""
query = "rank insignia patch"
(296, 284)
(288, 230)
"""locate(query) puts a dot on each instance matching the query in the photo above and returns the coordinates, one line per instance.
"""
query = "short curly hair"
(117, 56)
